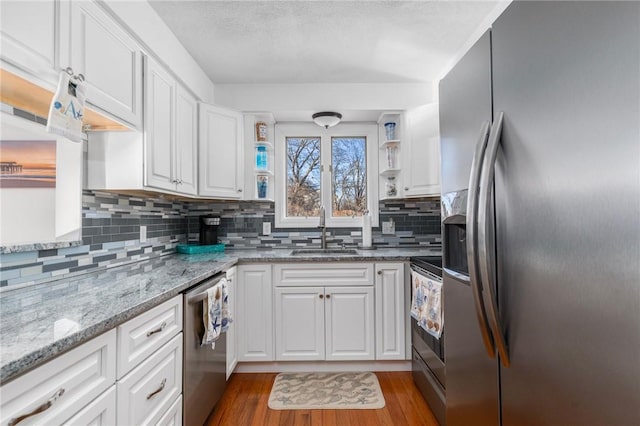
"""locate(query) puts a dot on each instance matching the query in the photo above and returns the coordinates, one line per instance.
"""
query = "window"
(334, 168)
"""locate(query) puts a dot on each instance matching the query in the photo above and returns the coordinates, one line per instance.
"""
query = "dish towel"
(426, 304)
(215, 312)
(67, 107)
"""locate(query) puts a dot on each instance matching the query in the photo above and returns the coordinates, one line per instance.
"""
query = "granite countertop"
(42, 321)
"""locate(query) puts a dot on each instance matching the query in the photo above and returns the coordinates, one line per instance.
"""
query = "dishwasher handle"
(199, 293)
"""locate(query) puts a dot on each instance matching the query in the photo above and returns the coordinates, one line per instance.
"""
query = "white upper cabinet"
(160, 96)
(170, 123)
(421, 152)
(110, 60)
(221, 153)
(186, 141)
(32, 36)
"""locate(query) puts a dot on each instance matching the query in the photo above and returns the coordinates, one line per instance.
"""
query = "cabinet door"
(232, 335)
(32, 36)
(390, 311)
(299, 323)
(254, 318)
(221, 154)
(101, 412)
(159, 126)
(69, 382)
(349, 323)
(110, 61)
(186, 141)
(421, 152)
(147, 392)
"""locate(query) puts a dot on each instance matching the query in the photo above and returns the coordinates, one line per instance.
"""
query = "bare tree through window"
(303, 176)
(349, 177)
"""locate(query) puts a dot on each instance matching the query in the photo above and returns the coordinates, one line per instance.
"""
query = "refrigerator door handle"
(472, 252)
(485, 249)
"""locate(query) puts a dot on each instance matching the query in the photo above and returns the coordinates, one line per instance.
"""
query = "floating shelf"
(263, 172)
(390, 143)
(264, 143)
(389, 172)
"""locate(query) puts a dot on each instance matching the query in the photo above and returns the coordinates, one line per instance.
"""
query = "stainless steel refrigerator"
(540, 132)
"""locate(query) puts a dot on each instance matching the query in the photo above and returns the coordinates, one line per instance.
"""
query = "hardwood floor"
(244, 403)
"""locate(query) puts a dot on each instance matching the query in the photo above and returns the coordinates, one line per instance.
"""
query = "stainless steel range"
(427, 350)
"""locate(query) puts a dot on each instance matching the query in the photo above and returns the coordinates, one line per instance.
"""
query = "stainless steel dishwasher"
(204, 371)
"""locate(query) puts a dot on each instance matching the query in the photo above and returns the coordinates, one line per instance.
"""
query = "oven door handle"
(485, 248)
(472, 240)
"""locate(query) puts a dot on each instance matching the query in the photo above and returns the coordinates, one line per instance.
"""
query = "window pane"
(303, 177)
(349, 177)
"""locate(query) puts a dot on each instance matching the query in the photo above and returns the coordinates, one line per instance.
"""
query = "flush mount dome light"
(326, 119)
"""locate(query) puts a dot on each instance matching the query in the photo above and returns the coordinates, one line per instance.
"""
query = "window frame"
(284, 130)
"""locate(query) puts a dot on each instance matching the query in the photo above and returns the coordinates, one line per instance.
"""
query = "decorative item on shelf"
(261, 157)
(392, 156)
(390, 129)
(261, 131)
(262, 185)
(391, 188)
(326, 119)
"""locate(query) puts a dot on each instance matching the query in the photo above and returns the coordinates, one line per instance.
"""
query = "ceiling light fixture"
(326, 119)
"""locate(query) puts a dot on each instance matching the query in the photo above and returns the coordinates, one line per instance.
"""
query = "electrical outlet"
(143, 233)
(389, 227)
(266, 228)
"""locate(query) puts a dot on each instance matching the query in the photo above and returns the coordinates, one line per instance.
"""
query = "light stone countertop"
(99, 301)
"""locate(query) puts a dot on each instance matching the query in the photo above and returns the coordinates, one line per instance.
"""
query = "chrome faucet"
(323, 226)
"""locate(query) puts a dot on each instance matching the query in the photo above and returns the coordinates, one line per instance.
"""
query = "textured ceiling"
(323, 41)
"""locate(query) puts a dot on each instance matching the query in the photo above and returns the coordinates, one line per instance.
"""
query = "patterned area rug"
(318, 391)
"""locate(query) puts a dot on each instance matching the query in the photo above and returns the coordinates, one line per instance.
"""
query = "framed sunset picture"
(27, 163)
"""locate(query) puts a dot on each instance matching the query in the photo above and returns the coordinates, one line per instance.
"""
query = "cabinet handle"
(157, 391)
(179, 182)
(39, 409)
(328, 296)
(240, 190)
(157, 330)
(321, 296)
(380, 272)
(406, 188)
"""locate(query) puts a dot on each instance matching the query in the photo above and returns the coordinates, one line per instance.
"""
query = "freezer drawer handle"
(157, 330)
(42, 408)
(485, 248)
(472, 252)
(157, 391)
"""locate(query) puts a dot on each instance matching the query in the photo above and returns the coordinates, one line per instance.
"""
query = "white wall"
(154, 35)
(318, 97)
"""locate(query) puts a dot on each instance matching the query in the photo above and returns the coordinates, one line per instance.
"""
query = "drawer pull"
(38, 410)
(157, 391)
(328, 296)
(157, 330)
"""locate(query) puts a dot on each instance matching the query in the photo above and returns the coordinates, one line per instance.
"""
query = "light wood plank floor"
(244, 403)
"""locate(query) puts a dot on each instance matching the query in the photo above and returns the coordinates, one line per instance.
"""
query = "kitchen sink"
(324, 251)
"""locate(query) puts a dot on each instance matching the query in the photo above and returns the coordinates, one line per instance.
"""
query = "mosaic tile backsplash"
(111, 229)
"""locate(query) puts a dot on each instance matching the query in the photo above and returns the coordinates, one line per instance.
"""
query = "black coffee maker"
(209, 230)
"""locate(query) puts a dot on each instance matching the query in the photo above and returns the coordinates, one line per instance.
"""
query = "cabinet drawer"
(77, 376)
(101, 412)
(173, 416)
(143, 335)
(146, 393)
(323, 274)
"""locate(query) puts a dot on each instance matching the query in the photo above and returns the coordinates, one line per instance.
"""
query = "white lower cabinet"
(299, 323)
(324, 323)
(149, 390)
(79, 387)
(173, 416)
(54, 392)
(254, 313)
(391, 311)
(101, 412)
(324, 311)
